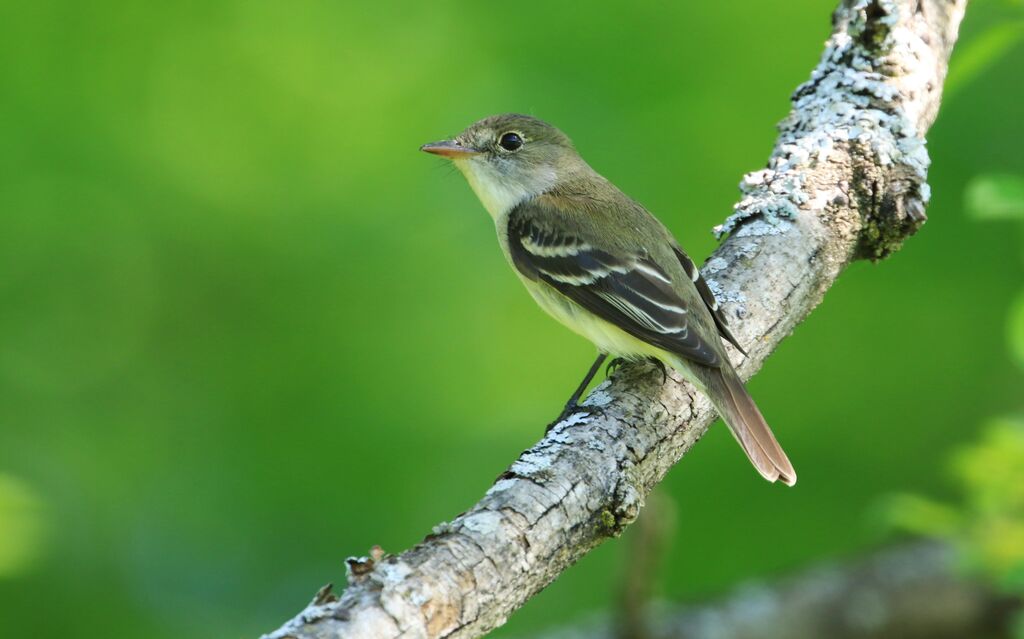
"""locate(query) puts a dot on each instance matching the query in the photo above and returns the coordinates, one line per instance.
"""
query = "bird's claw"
(660, 364)
(613, 366)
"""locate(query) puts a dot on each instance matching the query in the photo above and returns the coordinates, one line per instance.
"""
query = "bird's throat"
(498, 193)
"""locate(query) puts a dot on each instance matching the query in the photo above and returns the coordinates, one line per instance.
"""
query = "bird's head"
(509, 158)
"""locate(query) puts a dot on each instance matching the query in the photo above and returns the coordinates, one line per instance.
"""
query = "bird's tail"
(748, 426)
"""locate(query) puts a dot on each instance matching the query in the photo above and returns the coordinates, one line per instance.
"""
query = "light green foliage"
(996, 197)
(921, 515)
(975, 56)
(992, 473)
(20, 526)
(1001, 197)
(987, 525)
(1015, 329)
(247, 329)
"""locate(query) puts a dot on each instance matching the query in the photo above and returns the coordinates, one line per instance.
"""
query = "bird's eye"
(510, 141)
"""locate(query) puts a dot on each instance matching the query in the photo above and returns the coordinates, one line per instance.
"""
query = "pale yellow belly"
(606, 336)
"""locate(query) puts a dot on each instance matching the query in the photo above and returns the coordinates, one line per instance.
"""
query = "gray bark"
(910, 592)
(845, 180)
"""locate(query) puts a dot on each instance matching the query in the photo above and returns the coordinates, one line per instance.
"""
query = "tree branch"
(846, 179)
(910, 592)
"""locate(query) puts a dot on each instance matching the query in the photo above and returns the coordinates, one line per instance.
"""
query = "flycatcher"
(601, 264)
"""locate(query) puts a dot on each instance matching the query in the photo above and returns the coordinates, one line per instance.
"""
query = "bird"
(604, 266)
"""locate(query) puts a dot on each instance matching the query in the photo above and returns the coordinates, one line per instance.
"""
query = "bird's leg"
(573, 403)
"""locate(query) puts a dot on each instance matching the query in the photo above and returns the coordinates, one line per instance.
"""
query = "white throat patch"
(498, 192)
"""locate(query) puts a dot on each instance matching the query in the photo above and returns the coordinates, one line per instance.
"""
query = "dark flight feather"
(709, 297)
(633, 292)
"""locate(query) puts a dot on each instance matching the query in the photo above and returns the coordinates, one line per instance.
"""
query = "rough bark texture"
(912, 592)
(845, 180)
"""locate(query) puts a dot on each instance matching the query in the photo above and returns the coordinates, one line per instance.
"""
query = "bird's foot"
(660, 364)
(569, 409)
(613, 366)
(619, 361)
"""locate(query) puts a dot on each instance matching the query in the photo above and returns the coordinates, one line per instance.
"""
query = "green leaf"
(1015, 330)
(973, 58)
(995, 197)
(992, 470)
(20, 526)
(920, 515)
(1013, 580)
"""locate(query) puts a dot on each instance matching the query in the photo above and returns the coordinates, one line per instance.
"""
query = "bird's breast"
(607, 337)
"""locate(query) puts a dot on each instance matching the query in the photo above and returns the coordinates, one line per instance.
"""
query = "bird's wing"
(709, 298)
(628, 290)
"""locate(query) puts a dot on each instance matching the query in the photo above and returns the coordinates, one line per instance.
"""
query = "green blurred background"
(246, 329)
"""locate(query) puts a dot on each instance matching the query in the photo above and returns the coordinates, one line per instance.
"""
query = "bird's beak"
(450, 149)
